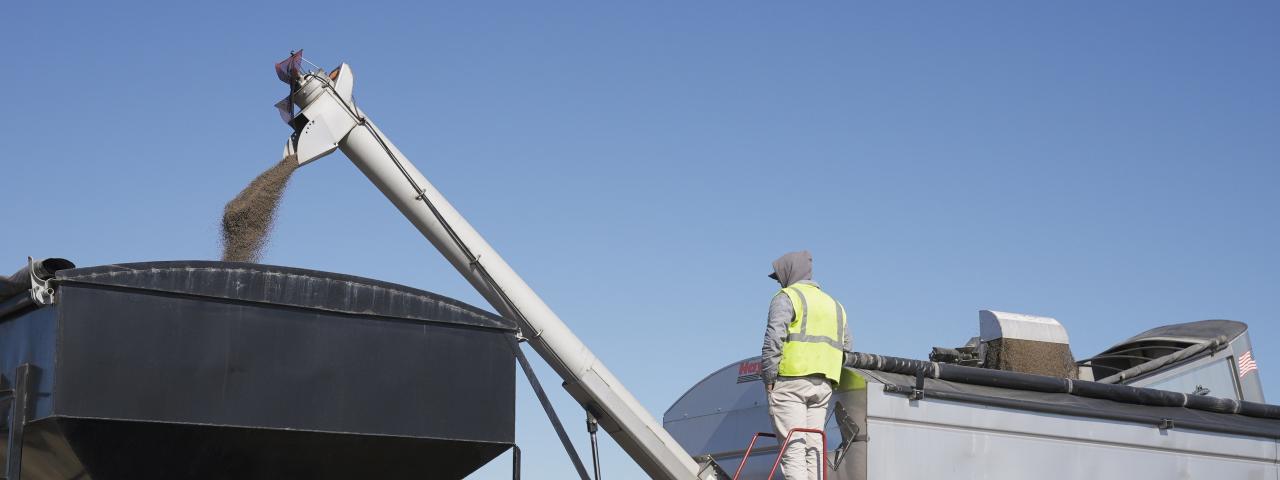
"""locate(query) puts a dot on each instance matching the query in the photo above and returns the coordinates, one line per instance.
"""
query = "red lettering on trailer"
(749, 371)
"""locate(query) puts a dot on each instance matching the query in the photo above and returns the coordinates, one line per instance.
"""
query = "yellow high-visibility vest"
(815, 337)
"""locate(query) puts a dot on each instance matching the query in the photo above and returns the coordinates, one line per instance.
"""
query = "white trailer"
(908, 419)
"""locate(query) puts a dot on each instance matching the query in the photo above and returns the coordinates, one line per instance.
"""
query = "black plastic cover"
(1083, 406)
(20, 281)
(1026, 382)
(1194, 332)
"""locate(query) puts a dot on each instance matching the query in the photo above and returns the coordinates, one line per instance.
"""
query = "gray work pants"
(800, 402)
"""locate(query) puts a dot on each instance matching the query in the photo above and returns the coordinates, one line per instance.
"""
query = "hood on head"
(793, 267)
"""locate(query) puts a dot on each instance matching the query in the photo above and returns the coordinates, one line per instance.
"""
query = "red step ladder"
(782, 449)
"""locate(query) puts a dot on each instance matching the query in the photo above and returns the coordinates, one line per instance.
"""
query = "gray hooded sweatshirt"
(789, 269)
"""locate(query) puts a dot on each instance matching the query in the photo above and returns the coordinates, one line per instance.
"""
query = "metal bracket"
(1165, 424)
(41, 290)
(709, 469)
(550, 410)
(850, 433)
(593, 425)
(917, 392)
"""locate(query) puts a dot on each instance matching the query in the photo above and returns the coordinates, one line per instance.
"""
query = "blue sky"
(1110, 164)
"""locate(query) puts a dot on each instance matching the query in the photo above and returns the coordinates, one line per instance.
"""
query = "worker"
(803, 354)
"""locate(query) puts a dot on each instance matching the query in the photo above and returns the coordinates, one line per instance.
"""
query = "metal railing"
(782, 449)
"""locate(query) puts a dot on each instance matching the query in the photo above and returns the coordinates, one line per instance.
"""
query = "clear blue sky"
(1111, 164)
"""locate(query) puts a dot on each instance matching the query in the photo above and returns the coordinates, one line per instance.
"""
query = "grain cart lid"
(212, 370)
(1181, 350)
(21, 281)
(251, 282)
(1191, 332)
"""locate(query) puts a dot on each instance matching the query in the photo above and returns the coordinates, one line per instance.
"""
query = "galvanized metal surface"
(993, 325)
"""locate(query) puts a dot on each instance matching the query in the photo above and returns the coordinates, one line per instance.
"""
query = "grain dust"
(247, 219)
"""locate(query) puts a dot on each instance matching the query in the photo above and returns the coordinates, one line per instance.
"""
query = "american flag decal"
(1246, 364)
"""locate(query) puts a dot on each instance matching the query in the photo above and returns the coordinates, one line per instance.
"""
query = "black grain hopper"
(217, 370)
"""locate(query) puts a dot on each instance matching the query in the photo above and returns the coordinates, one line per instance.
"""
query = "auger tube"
(330, 120)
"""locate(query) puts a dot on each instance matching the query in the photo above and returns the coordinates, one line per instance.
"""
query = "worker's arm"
(780, 315)
(848, 336)
(848, 332)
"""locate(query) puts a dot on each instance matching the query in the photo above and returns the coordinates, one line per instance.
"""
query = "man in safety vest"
(803, 355)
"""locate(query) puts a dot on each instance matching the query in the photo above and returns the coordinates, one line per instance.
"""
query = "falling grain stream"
(247, 219)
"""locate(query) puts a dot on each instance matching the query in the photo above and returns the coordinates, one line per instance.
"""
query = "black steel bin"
(218, 370)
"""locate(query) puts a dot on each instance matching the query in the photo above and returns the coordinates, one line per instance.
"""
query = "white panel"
(328, 122)
(920, 439)
(344, 83)
(909, 451)
(993, 325)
